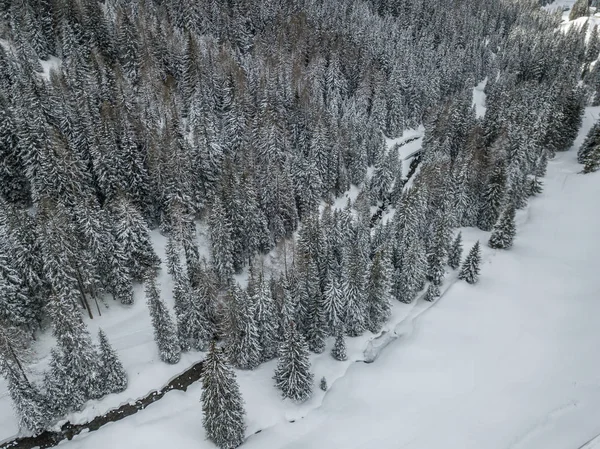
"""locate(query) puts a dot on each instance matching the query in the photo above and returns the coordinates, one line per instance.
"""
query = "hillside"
(356, 221)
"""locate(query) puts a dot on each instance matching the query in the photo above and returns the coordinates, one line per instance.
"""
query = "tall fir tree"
(165, 330)
(112, 373)
(492, 199)
(266, 319)
(455, 253)
(379, 307)
(222, 403)
(243, 339)
(470, 268)
(504, 230)
(293, 375)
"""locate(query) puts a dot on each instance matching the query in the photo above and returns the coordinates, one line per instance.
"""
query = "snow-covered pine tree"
(266, 320)
(334, 303)
(592, 162)
(437, 257)
(338, 351)
(220, 239)
(323, 384)
(470, 267)
(591, 142)
(534, 186)
(165, 330)
(222, 403)
(413, 271)
(292, 375)
(455, 252)
(432, 293)
(580, 9)
(243, 344)
(379, 306)
(182, 292)
(193, 325)
(112, 373)
(132, 235)
(492, 199)
(174, 267)
(78, 358)
(353, 290)
(61, 394)
(504, 230)
(28, 403)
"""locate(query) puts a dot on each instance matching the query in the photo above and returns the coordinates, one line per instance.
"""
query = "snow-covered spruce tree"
(28, 402)
(292, 375)
(470, 268)
(193, 325)
(580, 9)
(455, 252)
(133, 237)
(432, 293)
(504, 230)
(437, 257)
(222, 403)
(243, 344)
(338, 351)
(413, 271)
(323, 384)
(592, 163)
(353, 289)
(492, 199)
(78, 358)
(174, 267)
(379, 306)
(220, 240)
(112, 373)
(266, 320)
(61, 394)
(591, 142)
(165, 331)
(334, 303)
(534, 186)
(182, 292)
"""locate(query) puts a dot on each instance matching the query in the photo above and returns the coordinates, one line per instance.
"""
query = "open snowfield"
(508, 363)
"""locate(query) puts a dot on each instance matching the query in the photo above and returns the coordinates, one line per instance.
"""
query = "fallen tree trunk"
(50, 438)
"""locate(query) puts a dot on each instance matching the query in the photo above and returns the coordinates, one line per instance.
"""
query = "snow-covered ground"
(508, 363)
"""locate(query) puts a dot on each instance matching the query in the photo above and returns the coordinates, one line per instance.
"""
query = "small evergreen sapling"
(504, 231)
(112, 373)
(165, 331)
(455, 253)
(292, 375)
(222, 403)
(433, 292)
(534, 186)
(470, 268)
(323, 384)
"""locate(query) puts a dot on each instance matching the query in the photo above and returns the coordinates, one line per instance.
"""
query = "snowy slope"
(508, 363)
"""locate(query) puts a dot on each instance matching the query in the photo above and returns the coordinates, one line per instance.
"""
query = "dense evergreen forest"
(248, 115)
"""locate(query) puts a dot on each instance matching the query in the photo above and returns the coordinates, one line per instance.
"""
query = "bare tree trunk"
(83, 298)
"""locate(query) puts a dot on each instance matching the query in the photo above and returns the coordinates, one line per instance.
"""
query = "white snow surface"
(509, 363)
(479, 97)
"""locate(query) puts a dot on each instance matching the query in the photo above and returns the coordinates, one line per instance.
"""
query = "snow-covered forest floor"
(508, 363)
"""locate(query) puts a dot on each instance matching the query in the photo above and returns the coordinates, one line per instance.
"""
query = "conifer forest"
(167, 152)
